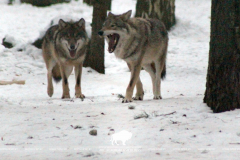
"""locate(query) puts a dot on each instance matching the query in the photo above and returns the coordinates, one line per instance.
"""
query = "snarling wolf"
(141, 43)
(64, 47)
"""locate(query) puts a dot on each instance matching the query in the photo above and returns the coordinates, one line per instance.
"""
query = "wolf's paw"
(65, 96)
(82, 96)
(138, 98)
(50, 92)
(157, 97)
(127, 100)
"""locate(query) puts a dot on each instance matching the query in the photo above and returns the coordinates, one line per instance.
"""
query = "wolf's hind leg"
(150, 68)
(78, 75)
(159, 68)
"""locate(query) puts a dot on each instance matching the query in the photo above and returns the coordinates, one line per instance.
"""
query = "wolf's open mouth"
(72, 52)
(113, 41)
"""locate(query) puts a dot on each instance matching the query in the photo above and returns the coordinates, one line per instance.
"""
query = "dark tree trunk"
(107, 3)
(43, 3)
(223, 78)
(10, 2)
(160, 9)
(95, 56)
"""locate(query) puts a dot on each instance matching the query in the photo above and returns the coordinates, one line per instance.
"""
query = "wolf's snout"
(100, 33)
(72, 47)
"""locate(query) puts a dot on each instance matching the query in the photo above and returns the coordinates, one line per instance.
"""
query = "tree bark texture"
(10, 2)
(95, 56)
(43, 3)
(223, 78)
(160, 9)
(106, 3)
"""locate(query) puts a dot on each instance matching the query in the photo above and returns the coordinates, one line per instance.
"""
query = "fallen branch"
(235, 143)
(12, 82)
(166, 114)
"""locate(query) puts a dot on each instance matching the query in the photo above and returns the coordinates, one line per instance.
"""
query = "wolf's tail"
(56, 73)
(163, 74)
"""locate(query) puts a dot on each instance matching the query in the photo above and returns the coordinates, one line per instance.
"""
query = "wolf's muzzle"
(100, 33)
(72, 46)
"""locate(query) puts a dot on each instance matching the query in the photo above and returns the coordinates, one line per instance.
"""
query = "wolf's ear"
(110, 14)
(62, 23)
(81, 23)
(126, 16)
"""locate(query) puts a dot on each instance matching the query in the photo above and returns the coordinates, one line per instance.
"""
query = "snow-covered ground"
(180, 126)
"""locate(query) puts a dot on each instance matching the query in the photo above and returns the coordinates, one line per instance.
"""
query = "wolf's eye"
(66, 36)
(113, 25)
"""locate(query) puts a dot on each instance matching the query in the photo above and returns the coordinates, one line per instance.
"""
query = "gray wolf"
(142, 43)
(64, 47)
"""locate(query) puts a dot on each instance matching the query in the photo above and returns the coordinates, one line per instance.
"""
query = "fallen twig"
(120, 96)
(12, 82)
(174, 122)
(166, 114)
(90, 99)
(238, 143)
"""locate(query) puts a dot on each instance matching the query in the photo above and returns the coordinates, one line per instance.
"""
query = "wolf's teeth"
(115, 41)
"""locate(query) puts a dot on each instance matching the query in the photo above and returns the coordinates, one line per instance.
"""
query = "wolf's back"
(157, 30)
(50, 33)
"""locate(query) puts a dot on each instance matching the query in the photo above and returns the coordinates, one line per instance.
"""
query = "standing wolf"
(141, 43)
(64, 47)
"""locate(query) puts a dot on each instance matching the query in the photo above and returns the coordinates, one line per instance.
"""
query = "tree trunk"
(160, 9)
(95, 56)
(10, 2)
(223, 78)
(43, 3)
(92, 2)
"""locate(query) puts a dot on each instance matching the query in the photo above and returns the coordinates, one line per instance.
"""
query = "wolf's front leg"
(135, 72)
(65, 73)
(50, 63)
(78, 75)
(50, 84)
(139, 94)
(65, 88)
